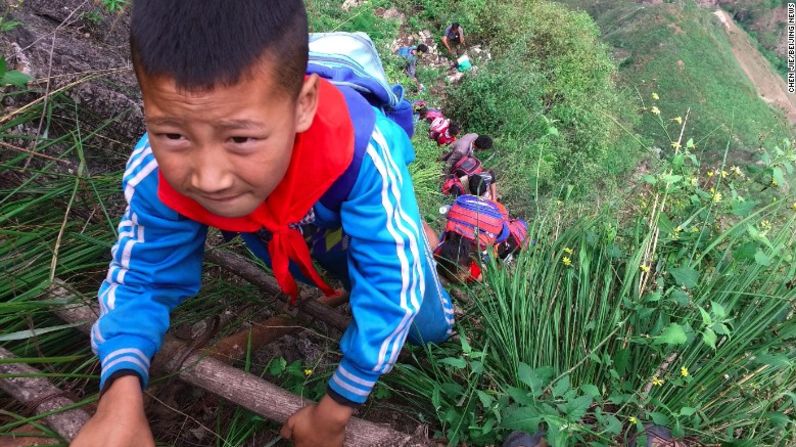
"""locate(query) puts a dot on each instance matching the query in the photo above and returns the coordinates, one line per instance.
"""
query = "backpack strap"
(364, 119)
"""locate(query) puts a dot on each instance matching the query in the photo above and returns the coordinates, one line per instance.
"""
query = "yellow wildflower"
(710, 173)
(694, 230)
(724, 173)
(684, 371)
(676, 146)
(694, 181)
(566, 261)
(774, 183)
(655, 96)
(717, 197)
(657, 381)
(736, 171)
(644, 268)
(765, 225)
(793, 207)
(655, 110)
(678, 120)
(307, 372)
(568, 250)
(633, 420)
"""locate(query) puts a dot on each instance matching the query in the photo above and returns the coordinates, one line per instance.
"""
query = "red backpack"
(452, 186)
(467, 166)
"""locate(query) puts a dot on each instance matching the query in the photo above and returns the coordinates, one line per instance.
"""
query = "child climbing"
(473, 227)
(253, 127)
(411, 54)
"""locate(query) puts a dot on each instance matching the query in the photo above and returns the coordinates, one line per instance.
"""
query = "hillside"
(683, 54)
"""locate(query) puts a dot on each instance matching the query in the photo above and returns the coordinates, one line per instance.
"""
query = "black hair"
(478, 185)
(453, 129)
(454, 254)
(423, 48)
(507, 248)
(483, 142)
(455, 25)
(206, 43)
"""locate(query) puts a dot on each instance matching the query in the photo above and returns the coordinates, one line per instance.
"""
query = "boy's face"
(229, 147)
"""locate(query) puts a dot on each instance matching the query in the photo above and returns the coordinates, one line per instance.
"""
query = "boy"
(443, 131)
(454, 35)
(465, 147)
(410, 55)
(474, 226)
(241, 138)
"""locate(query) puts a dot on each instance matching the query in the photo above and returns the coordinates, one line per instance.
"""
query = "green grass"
(682, 53)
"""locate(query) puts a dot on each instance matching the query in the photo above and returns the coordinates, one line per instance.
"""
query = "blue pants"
(432, 324)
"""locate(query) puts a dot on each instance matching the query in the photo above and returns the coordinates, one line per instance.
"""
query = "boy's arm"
(386, 265)
(156, 264)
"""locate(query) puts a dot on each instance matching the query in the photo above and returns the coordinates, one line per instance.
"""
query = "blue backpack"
(350, 62)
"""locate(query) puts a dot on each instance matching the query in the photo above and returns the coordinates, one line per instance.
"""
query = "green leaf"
(621, 359)
(709, 337)
(685, 276)
(778, 176)
(650, 179)
(561, 387)
(687, 411)
(680, 297)
(612, 425)
(671, 179)
(520, 396)
(590, 390)
(29, 333)
(15, 78)
(706, 320)
(659, 418)
(552, 131)
(521, 418)
(454, 362)
(762, 259)
(486, 399)
(576, 408)
(674, 334)
(718, 310)
(527, 376)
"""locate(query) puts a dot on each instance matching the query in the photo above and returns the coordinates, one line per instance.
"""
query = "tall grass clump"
(676, 310)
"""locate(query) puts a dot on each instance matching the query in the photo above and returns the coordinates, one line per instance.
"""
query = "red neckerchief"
(320, 156)
(475, 272)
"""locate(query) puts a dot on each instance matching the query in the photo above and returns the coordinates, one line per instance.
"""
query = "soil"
(770, 86)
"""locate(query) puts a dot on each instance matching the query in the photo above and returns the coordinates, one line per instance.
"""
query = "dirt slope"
(770, 86)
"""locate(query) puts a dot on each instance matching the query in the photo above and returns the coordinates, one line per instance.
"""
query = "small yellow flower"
(655, 96)
(307, 372)
(566, 261)
(655, 110)
(765, 225)
(657, 381)
(694, 181)
(568, 250)
(774, 183)
(644, 268)
(710, 173)
(736, 171)
(684, 371)
(633, 420)
(793, 207)
(678, 119)
(717, 197)
(694, 230)
(676, 146)
(724, 173)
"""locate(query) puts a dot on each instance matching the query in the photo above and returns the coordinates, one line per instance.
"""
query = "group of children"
(477, 225)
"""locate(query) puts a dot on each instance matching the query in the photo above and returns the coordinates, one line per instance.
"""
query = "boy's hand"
(120, 420)
(321, 425)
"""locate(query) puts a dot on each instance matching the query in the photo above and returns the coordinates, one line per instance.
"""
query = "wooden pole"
(41, 395)
(240, 387)
(247, 270)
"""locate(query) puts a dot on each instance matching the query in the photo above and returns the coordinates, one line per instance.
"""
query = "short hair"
(453, 129)
(483, 142)
(423, 48)
(478, 185)
(206, 43)
(454, 254)
(455, 25)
